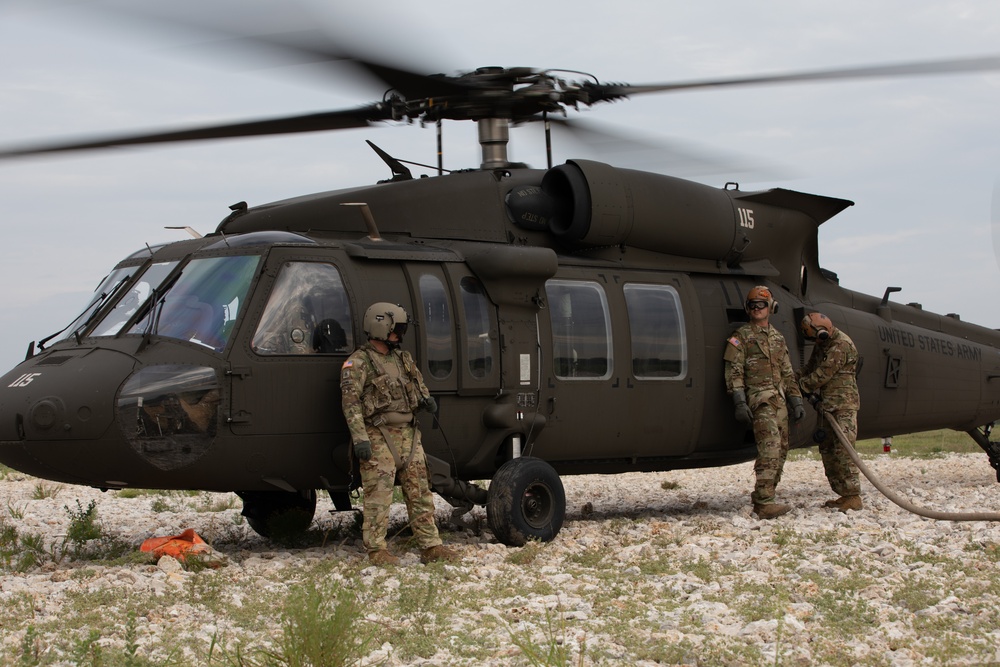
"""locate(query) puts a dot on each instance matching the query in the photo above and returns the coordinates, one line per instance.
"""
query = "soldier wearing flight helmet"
(829, 377)
(382, 388)
(759, 377)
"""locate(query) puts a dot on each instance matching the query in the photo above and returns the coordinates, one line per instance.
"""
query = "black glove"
(743, 414)
(798, 412)
(813, 399)
(429, 404)
(363, 450)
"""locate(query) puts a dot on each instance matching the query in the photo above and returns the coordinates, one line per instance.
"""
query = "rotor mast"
(494, 134)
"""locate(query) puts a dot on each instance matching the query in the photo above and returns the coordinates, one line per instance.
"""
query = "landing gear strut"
(991, 448)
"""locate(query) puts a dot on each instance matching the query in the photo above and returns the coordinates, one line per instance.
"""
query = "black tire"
(526, 501)
(279, 514)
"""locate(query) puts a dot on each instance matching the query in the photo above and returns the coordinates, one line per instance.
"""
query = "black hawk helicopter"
(545, 301)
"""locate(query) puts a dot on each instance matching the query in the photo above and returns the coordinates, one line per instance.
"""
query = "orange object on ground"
(177, 546)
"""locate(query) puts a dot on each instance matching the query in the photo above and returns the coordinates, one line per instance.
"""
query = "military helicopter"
(538, 296)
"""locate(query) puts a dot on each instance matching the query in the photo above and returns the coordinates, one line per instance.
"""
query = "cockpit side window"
(307, 312)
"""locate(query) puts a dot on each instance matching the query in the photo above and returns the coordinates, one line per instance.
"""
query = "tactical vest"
(390, 389)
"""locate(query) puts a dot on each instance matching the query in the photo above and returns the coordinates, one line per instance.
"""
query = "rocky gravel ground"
(658, 568)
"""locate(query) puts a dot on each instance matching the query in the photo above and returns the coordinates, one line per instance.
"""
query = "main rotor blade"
(665, 155)
(254, 38)
(314, 122)
(317, 48)
(956, 66)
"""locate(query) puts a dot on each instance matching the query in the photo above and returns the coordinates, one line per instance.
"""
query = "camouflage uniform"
(830, 372)
(757, 362)
(388, 388)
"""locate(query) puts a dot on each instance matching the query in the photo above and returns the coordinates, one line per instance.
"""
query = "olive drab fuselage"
(576, 315)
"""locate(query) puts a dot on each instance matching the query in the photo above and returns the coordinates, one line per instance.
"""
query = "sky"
(919, 156)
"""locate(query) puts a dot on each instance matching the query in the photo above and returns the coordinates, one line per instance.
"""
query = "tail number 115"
(746, 217)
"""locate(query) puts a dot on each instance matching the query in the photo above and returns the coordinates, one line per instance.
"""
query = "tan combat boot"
(440, 552)
(845, 503)
(382, 557)
(770, 510)
(850, 503)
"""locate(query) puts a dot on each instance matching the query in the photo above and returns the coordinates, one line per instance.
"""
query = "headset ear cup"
(822, 334)
(774, 307)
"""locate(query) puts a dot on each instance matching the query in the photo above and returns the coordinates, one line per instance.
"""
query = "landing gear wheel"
(526, 501)
(279, 514)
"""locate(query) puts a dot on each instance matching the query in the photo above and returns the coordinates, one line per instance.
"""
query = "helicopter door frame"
(478, 349)
(639, 417)
(303, 382)
(436, 325)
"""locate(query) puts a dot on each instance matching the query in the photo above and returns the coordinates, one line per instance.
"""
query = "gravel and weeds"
(658, 568)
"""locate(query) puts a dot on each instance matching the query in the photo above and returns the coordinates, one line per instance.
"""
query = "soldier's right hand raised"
(363, 450)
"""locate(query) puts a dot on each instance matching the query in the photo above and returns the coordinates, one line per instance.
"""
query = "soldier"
(382, 388)
(759, 377)
(830, 376)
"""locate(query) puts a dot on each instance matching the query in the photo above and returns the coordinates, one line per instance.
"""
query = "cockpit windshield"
(202, 303)
(136, 296)
(108, 288)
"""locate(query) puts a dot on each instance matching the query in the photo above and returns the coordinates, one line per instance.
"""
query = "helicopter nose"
(52, 403)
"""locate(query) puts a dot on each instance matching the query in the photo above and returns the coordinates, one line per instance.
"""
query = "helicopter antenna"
(399, 171)
(440, 151)
(366, 213)
(548, 138)
(189, 230)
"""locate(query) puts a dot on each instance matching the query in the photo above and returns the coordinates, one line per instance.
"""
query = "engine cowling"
(587, 203)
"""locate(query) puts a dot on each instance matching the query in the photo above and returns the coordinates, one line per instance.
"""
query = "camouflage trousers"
(840, 469)
(770, 431)
(378, 477)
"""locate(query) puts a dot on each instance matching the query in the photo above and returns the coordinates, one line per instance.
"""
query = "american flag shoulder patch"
(348, 364)
(734, 341)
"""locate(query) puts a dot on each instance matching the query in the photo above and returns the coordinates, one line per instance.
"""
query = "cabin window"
(202, 303)
(656, 326)
(477, 328)
(437, 326)
(307, 313)
(581, 330)
(137, 295)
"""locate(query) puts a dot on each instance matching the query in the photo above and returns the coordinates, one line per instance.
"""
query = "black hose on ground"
(894, 497)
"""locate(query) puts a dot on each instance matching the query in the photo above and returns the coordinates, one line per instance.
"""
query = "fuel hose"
(896, 498)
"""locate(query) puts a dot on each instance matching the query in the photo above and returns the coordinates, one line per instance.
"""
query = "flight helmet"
(382, 318)
(816, 326)
(761, 293)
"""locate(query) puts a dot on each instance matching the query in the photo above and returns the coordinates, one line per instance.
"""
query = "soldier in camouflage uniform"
(382, 388)
(759, 377)
(830, 376)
